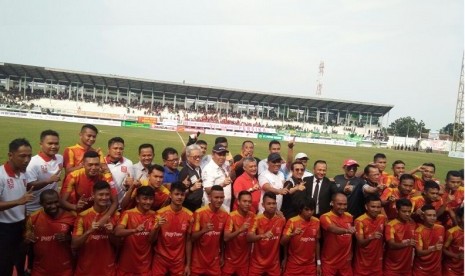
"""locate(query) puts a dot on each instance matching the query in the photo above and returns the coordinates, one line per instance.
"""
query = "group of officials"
(218, 214)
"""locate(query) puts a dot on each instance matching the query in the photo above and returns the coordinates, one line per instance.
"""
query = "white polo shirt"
(140, 172)
(263, 167)
(276, 181)
(12, 187)
(212, 174)
(119, 172)
(41, 168)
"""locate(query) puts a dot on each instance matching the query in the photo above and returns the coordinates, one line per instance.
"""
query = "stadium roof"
(69, 77)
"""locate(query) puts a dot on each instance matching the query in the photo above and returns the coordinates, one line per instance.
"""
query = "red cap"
(350, 162)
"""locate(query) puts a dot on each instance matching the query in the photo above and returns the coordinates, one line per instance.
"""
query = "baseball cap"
(219, 149)
(274, 157)
(350, 162)
(301, 155)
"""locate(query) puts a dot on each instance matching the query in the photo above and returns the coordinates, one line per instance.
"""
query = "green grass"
(334, 155)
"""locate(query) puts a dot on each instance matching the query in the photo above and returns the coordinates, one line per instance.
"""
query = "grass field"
(334, 155)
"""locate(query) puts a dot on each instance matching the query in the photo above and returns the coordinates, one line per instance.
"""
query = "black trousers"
(11, 237)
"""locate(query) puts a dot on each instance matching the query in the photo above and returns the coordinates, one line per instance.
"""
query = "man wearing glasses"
(303, 158)
(193, 173)
(346, 182)
(171, 161)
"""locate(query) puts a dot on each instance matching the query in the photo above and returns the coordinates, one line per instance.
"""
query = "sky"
(403, 53)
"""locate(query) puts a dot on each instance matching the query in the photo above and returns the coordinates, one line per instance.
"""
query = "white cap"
(300, 155)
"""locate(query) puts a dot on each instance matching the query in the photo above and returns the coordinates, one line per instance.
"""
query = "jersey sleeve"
(359, 228)
(68, 184)
(253, 227)
(289, 228)
(449, 238)
(29, 227)
(196, 225)
(68, 158)
(389, 232)
(78, 227)
(123, 220)
(32, 173)
(418, 238)
(386, 194)
(229, 226)
(325, 222)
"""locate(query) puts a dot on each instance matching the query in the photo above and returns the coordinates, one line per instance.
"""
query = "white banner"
(229, 127)
(59, 118)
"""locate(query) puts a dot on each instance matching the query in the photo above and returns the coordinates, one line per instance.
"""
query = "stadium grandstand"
(81, 94)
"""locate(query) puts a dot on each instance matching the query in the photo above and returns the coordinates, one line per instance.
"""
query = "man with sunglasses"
(303, 158)
(193, 173)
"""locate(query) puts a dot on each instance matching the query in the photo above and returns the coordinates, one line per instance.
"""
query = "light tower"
(319, 80)
(458, 122)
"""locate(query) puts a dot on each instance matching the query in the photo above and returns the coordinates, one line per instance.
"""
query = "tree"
(407, 126)
(449, 130)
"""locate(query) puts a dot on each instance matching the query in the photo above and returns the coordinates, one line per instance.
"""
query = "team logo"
(220, 225)
(10, 183)
(124, 169)
(184, 227)
(64, 227)
(314, 232)
(43, 168)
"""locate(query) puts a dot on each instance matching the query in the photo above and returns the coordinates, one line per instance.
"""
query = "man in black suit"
(320, 188)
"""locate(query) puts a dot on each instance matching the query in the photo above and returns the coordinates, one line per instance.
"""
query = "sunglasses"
(299, 170)
(352, 168)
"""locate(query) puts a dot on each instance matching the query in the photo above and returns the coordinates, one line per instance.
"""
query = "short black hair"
(366, 170)
(269, 195)
(333, 197)
(155, 167)
(430, 184)
(406, 176)
(48, 132)
(372, 197)
(379, 156)
(273, 142)
(101, 185)
(309, 203)
(397, 162)
(319, 162)
(167, 151)
(201, 142)
(145, 191)
(243, 193)
(220, 139)
(47, 192)
(216, 188)
(296, 163)
(89, 126)
(146, 146)
(453, 174)
(247, 141)
(403, 202)
(17, 143)
(91, 154)
(115, 140)
(430, 165)
(178, 186)
(427, 207)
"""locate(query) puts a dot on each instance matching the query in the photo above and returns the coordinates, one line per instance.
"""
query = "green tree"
(449, 130)
(407, 126)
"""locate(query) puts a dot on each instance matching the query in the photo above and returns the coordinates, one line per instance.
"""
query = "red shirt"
(418, 202)
(161, 197)
(456, 201)
(301, 248)
(237, 249)
(171, 242)
(51, 257)
(243, 183)
(370, 257)
(454, 243)
(383, 178)
(135, 254)
(74, 155)
(425, 238)
(96, 255)
(77, 184)
(337, 249)
(390, 208)
(265, 252)
(419, 184)
(399, 260)
(392, 181)
(206, 249)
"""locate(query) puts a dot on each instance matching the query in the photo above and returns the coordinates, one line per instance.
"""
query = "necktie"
(317, 190)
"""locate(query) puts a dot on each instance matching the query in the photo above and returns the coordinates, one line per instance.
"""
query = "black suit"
(326, 190)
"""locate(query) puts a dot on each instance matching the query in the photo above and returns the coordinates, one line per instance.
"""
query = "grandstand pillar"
(142, 98)
(7, 86)
(317, 115)
(117, 94)
(129, 97)
(371, 118)
(327, 115)
(217, 104)
(95, 91)
(338, 121)
(163, 99)
(174, 101)
(185, 101)
(151, 102)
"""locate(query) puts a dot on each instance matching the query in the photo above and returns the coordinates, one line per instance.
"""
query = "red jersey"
(392, 181)
(161, 197)
(96, 256)
(419, 184)
(301, 248)
(390, 208)
(171, 242)
(418, 202)
(383, 178)
(206, 249)
(427, 237)
(265, 252)
(454, 243)
(337, 249)
(369, 259)
(237, 250)
(243, 183)
(399, 261)
(136, 255)
(74, 155)
(456, 201)
(51, 257)
(77, 184)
